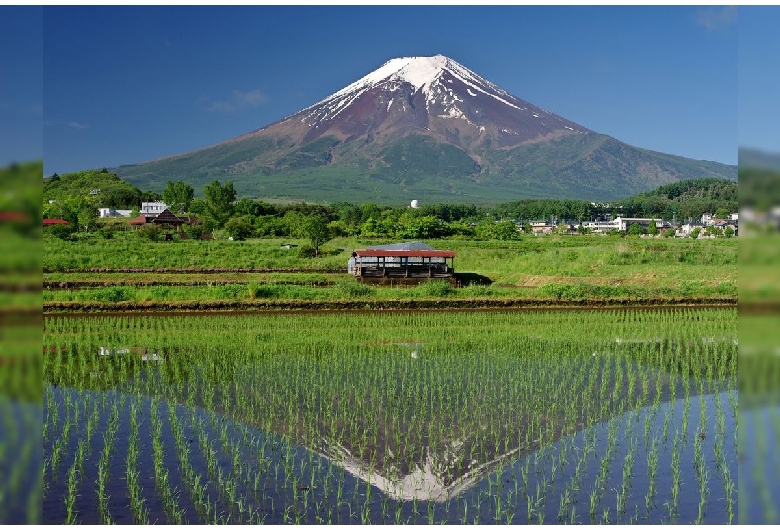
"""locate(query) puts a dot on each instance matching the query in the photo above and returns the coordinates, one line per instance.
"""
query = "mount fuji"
(426, 128)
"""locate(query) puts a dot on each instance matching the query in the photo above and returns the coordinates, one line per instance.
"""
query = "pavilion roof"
(167, 217)
(378, 253)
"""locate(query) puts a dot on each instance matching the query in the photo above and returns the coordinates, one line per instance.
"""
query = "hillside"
(106, 188)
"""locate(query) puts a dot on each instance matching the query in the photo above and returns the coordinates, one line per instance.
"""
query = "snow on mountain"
(446, 90)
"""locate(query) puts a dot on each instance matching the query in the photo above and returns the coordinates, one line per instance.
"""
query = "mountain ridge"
(426, 128)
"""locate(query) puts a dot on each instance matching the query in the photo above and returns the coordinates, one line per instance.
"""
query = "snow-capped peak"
(417, 71)
(420, 72)
(421, 91)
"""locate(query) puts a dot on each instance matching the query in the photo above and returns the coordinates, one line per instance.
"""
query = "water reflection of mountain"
(410, 450)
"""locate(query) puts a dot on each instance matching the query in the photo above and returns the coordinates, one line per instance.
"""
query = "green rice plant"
(70, 500)
(391, 391)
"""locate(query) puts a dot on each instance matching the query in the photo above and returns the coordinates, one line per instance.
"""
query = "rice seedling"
(398, 417)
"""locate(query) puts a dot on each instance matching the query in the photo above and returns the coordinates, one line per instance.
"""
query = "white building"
(622, 223)
(598, 227)
(110, 212)
(153, 209)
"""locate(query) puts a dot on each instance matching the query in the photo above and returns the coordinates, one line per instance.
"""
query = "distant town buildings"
(623, 224)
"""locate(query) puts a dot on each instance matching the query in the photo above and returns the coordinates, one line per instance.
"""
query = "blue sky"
(130, 84)
(21, 84)
(759, 78)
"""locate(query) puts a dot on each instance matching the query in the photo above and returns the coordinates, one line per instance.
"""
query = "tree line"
(220, 209)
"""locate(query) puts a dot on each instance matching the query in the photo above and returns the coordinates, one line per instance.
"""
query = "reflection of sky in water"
(759, 466)
(21, 457)
(630, 433)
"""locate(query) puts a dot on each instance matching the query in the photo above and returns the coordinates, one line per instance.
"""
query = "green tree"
(422, 227)
(198, 207)
(695, 232)
(87, 217)
(178, 196)
(505, 231)
(219, 201)
(728, 232)
(250, 207)
(722, 213)
(238, 228)
(635, 230)
(316, 229)
(295, 222)
(652, 229)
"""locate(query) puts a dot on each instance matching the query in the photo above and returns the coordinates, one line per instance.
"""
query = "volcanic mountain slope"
(425, 128)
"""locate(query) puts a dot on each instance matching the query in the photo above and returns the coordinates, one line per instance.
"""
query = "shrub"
(150, 232)
(193, 231)
(238, 228)
(63, 232)
(307, 251)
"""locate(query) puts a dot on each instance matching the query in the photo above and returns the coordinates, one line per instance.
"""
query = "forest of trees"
(219, 208)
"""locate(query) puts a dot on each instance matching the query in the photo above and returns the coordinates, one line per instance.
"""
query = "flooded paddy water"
(470, 417)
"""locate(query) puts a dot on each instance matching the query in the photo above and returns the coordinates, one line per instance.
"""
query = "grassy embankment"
(128, 273)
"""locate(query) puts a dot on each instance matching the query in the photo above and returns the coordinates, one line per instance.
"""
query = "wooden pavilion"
(166, 219)
(402, 263)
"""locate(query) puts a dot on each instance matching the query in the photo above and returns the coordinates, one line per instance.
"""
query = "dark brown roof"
(377, 253)
(167, 217)
(55, 222)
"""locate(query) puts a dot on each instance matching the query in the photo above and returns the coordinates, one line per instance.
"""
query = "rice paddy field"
(574, 416)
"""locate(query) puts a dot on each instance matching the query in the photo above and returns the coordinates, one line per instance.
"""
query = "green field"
(128, 269)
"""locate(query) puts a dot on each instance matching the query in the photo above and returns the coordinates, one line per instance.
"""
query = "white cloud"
(717, 18)
(70, 124)
(238, 100)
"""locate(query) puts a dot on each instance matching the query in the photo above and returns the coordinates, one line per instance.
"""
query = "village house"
(153, 209)
(111, 212)
(539, 228)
